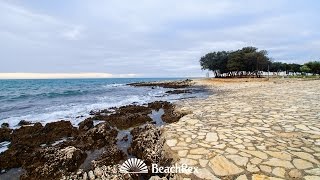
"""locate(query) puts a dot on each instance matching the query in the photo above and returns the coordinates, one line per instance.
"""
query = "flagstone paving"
(250, 130)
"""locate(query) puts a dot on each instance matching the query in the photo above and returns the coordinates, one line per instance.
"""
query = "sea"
(51, 100)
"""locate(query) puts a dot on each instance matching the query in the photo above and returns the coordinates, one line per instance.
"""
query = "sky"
(148, 38)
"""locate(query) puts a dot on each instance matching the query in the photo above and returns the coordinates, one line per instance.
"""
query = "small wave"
(64, 93)
(113, 85)
(50, 95)
(4, 146)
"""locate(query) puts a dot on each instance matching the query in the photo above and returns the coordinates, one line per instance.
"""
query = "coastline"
(237, 131)
(96, 146)
(249, 129)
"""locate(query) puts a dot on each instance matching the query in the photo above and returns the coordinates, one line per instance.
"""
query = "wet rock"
(178, 91)
(147, 144)
(156, 105)
(125, 138)
(24, 123)
(94, 138)
(59, 129)
(86, 125)
(5, 125)
(166, 84)
(126, 116)
(98, 112)
(52, 163)
(27, 139)
(30, 136)
(5, 134)
(15, 156)
(36, 135)
(92, 112)
(103, 172)
(112, 155)
(170, 115)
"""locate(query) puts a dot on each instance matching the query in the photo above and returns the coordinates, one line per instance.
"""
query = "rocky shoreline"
(59, 150)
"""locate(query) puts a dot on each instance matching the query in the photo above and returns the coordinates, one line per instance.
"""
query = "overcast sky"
(149, 38)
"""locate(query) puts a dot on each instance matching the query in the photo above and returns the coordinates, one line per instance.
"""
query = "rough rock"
(125, 117)
(86, 125)
(5, 134)
(5, 125)
(23, 123)
(147, 144)
(52, 163)
(166, 84)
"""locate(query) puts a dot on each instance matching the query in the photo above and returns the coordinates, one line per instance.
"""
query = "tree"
(314, 67)
(305, 69)
(242, 62)
(215, 61)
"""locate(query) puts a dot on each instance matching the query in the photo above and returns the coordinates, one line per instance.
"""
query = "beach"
(250, 129)
(242, 128)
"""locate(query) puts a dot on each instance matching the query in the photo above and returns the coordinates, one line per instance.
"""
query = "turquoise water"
(71, 99)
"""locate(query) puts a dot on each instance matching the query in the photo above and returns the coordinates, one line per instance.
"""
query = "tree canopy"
(249, 61)
(243, 62)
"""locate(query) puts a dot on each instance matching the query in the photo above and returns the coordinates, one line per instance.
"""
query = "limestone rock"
(279, 171)
(315, 171)
(279, 155)
(279, 163)
(171, 142)
(302, 164)
(263, 177)
(295, 173)
(312, 177)
(258, 154)
(242, 177)
(204, 173)
(239, 160)
(211, 137)
(265, 168)
(306, 156)
(199, 151)
(223, 167)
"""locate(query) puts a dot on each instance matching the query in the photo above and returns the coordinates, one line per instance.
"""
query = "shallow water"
(12, 174)
(72, 99)
(156, 117)
(91, 155)
(122, 144)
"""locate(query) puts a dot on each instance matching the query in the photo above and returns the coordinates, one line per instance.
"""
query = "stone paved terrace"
(250, 130)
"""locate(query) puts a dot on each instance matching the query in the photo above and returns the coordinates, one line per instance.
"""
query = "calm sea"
(72, 99)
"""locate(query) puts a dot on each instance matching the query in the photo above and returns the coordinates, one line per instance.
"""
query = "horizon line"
(17, 76)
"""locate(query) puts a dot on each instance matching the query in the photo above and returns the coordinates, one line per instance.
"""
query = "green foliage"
(279, 66)
(234, 63)
(305, 69)
(314, 67)
(249, 61)
(215, 61)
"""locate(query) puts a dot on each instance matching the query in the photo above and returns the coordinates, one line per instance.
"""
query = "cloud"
(62, 75)
(74, 33)
(152, 38)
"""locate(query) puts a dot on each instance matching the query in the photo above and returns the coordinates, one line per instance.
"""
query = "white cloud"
(73, 33)
(156, 38)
